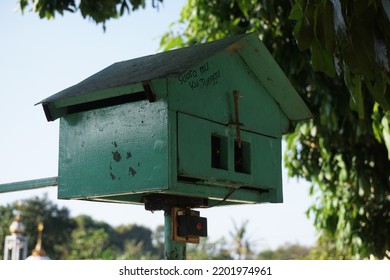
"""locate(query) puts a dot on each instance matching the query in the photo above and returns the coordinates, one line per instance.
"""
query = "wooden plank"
(114, 151)
(29, 185)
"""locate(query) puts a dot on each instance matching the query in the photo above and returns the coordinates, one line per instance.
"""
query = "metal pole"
(29, 185)
(173, 250)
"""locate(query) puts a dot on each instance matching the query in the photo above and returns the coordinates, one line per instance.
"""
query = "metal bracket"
(187, 225)
(157, 202)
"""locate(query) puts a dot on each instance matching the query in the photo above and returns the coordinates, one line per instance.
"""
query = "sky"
(39, 58)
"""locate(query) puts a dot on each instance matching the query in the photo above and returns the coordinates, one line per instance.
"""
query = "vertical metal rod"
(236, 95)
(173, 250)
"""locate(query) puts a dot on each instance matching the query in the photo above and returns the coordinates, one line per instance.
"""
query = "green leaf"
(354, 84)
(324, 26)
(380, 91)
(322, 59)
(296, 12)
(376, 123)
(386, 131)
(305, 34)
(244, 7)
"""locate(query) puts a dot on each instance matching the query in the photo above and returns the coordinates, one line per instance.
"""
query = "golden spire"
(38, 250)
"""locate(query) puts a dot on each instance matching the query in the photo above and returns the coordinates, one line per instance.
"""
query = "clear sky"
(39, 58)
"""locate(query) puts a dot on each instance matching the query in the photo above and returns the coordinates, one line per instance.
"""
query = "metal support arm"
(29, 185)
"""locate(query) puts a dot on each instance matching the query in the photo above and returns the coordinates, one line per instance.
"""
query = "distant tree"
(136, 251)
(158, 240)
(58, 225)
(239, 246)
(57, 221)
(138, 235)
(242, 246)
(326, 249)
(285, 252)
(91, 240)
(206, 250)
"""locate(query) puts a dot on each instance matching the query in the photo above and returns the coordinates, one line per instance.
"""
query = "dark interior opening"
(117, 100)
(242, 157)
(219, 152)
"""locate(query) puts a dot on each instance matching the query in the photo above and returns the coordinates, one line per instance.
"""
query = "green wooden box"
(171, 125)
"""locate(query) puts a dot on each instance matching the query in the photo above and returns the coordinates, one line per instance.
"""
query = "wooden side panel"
(206, 91)
(221, 162)
(114, 151)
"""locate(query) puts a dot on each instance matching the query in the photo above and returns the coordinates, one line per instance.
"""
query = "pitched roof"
(165, 64)
(175, 62)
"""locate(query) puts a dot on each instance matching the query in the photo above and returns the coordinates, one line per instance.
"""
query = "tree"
(285, 252)
(350, 38)
(326, 249)
(138, 235)
(98, 11)
(58, 225)
(99, 240)
(242, 246)
(76, 238)
(209, 250)
(91, 240)
(343, 150)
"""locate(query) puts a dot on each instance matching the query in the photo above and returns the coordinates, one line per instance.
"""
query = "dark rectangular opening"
(187, 179)
(219, 152)
(112, 101)
(242, 157)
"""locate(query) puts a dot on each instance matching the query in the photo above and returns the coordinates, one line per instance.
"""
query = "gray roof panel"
(165, 64)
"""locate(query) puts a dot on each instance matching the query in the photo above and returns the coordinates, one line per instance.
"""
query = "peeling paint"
(112, 176)
(128, 155)
(132, 172)
(116, 156)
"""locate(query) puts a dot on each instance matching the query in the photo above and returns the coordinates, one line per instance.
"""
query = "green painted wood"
(206, 91)
(217, 193)
(177, 63)
(194, 146)
(266, 69)
(185, 141)
(99, 94)
(28, 185)
(113, 151)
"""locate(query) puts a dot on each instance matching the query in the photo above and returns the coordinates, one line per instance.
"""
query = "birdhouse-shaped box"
(202, 123)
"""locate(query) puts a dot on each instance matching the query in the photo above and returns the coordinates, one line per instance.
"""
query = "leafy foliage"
(349, 38)
(56, 221)
(207, 250)
(285, 252)
(344, 153)
(98, 11)
(337, 57)
(91, 239)
(77, 238)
